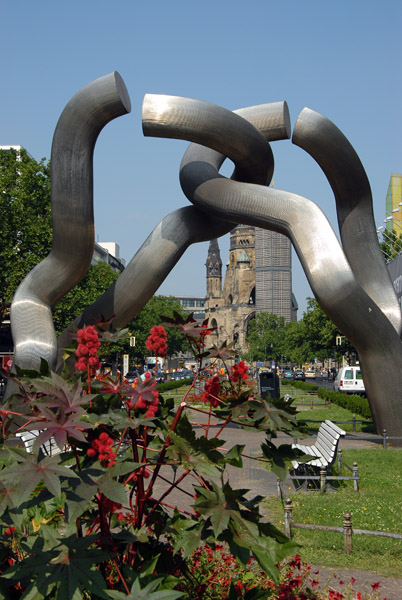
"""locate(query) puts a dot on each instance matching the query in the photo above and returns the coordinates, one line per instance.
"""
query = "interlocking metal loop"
(373, 329)
(71, 166)
(351, 283)
(188, 225)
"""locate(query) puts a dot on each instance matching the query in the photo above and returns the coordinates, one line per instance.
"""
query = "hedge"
(300, 385)
(172, 385)
(356, 404)
(353, 402)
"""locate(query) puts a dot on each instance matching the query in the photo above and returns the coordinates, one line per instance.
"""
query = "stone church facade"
(258, 278)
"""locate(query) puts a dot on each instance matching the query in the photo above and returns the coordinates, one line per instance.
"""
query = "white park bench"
(323, 452)
(28, 438)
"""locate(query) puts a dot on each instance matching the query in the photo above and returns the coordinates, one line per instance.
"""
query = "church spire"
(214, 270)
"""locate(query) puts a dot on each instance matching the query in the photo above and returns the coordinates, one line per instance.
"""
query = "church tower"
(214, 273)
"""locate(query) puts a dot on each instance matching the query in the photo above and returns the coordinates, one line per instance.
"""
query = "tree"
(25, 221)
(151, 315)
(265, 337)
(391, 245)
(293, 348)
(97, 280)
(314, 336)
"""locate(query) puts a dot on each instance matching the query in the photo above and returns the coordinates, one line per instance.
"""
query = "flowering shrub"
(87, 350)
(86, 512)
(157, 341)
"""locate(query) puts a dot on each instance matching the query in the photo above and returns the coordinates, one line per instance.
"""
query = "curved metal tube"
(172, 236)
(326, 267)
(72, 213)
(318, 136)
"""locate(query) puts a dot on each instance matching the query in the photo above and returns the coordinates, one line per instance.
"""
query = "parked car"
(310, 374)
(287, 374)
(130, 376)
(350, 381)
(299, 375)
(160, 377)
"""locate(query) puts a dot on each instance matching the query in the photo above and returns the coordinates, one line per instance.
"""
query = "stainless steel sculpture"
(72, 217)
(173, 235)
(372, 323)
(350, 282)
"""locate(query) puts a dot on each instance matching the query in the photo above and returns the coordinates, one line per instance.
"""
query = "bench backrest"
(327, 440)
(28, 437)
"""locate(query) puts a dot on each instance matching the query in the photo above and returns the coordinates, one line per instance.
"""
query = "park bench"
(323, 453)
(28, 438)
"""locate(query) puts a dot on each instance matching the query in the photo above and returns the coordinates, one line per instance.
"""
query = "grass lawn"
(334, 413)
(376, 507)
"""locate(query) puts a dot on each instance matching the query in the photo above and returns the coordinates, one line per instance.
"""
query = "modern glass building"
(393, 203)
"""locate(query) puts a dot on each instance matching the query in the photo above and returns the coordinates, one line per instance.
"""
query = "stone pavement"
(256, 478)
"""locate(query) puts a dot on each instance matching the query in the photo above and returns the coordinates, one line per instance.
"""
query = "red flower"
(157, 341)
(144, 397)
(239, 372)
(375, 585)
(103, 447)
(87, 350)
(211, 391)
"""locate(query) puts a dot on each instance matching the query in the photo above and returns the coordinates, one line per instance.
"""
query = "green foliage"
(172, 385)
(152, 314)
(353, 402)
(86, 513)
(356, 404)
(265, 337)
(313, 336)
(391, 245)
(301, 385)
(25, 224)
(96, 281)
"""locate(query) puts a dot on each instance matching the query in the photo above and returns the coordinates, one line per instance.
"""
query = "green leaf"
(188, 537)
(74, 568)
(280, 457)
(30, 473)
(113, 490)
(233, 457)
(219, 505)
(146, 593)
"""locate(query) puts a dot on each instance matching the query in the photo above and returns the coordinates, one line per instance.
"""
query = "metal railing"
(347, 529)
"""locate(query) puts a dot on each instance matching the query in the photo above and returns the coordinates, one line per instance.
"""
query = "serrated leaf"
(280, 457)
(113, 490)
(234, 456)
(147, 592)
(30, 473)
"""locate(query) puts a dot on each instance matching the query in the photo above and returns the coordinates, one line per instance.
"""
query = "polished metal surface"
(318, 136)
(172, 236)
(372, 329)
(72, 216)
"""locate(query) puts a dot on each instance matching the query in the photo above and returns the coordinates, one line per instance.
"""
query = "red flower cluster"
(157, 341)
(87, 351)
(150, 406)
(211, 391)
(103, 447)
(239, 372)
(204, 331)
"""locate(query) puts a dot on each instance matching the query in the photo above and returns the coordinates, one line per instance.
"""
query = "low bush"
(172, 385)
(353, 402)
(301, 385)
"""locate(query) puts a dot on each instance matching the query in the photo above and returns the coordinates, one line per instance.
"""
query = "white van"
(350, 381)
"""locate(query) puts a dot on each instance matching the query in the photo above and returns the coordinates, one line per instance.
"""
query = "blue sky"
(340, 58)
